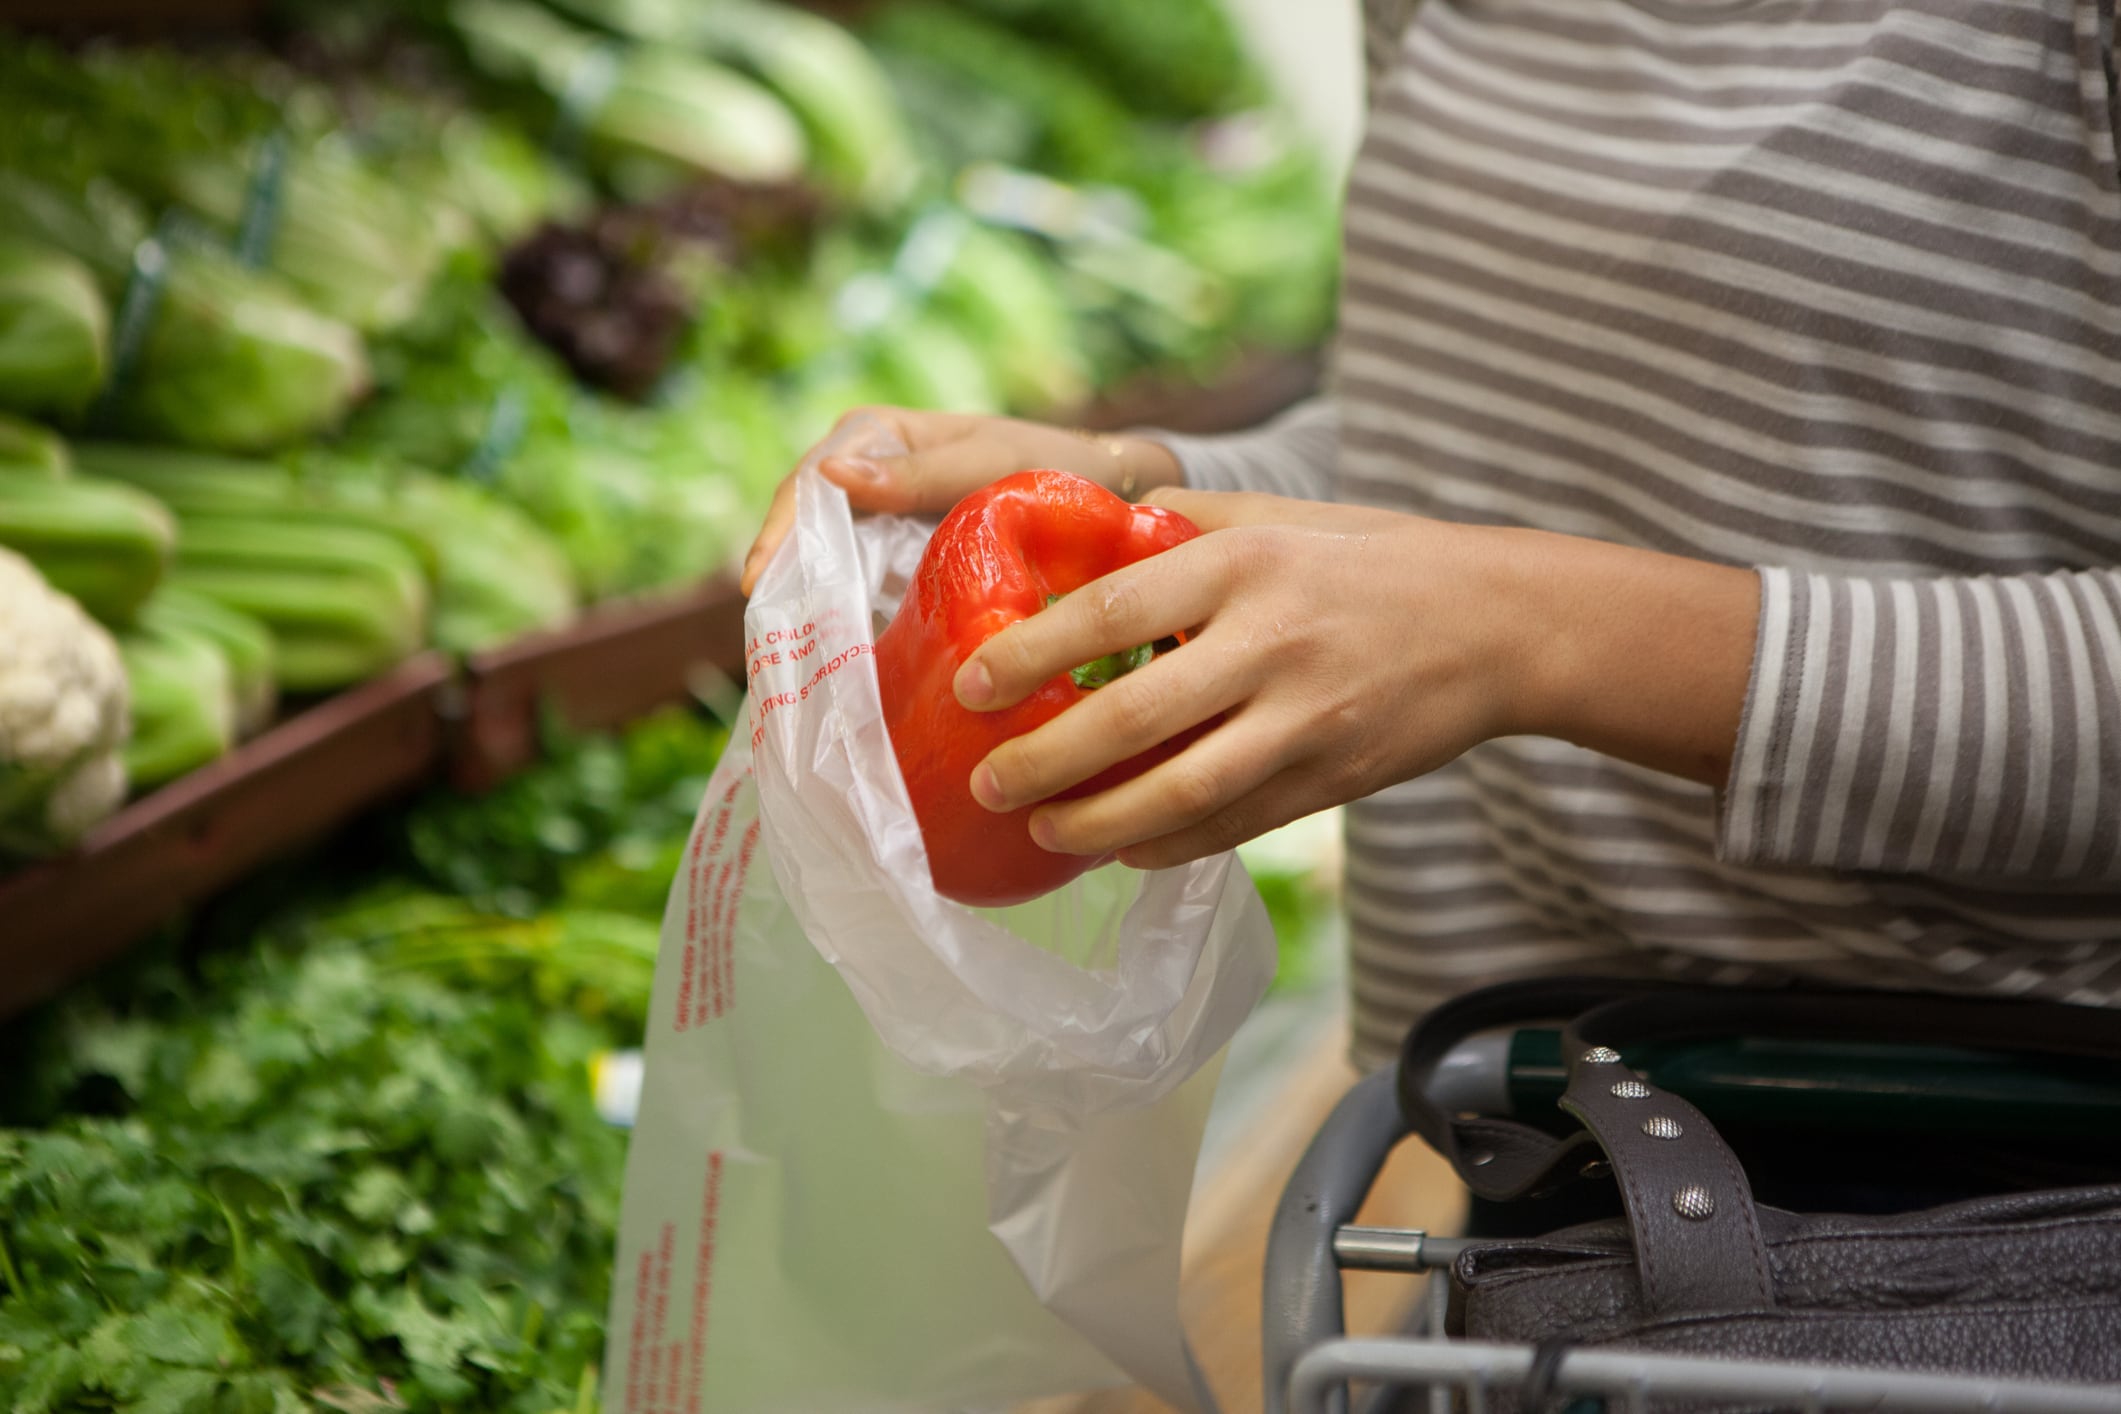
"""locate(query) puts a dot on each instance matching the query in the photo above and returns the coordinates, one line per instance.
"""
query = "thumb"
(1225, 510)
(932, 479)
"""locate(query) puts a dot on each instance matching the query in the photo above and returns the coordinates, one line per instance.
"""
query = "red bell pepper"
(1003, 554)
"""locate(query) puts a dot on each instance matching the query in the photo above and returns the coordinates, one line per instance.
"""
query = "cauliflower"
(64, 715)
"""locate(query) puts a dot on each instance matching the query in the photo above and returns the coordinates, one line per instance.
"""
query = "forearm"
(1639, 655)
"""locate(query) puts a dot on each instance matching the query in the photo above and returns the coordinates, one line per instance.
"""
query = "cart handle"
(1301, 1304)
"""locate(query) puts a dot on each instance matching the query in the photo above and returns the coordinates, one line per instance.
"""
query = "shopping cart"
(1311, 1365)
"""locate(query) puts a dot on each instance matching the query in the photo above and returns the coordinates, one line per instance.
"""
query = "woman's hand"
(1346, 649)
(951, 455)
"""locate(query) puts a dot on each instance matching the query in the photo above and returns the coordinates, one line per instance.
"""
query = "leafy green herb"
(603, 806)
(354, 1164)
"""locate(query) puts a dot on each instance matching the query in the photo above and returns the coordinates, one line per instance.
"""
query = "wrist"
(1135, 465)
(1530, 652)
(1142, 465)
(1125, 463)
(1149, 465)
(1633, 653)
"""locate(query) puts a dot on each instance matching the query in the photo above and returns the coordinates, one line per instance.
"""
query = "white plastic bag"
(895, 1154)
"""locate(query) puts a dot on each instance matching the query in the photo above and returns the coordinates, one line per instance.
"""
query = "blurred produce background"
(336, 335)
(367, 327)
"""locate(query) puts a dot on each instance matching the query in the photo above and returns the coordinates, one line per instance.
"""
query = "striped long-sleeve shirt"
(1824, 287)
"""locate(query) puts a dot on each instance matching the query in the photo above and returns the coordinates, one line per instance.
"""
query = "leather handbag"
(2023, 1282)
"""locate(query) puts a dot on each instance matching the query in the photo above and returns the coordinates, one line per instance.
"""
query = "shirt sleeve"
(1291, 455)
(1955, 727)
(1384, 24)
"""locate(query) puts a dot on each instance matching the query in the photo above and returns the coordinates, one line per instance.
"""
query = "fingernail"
(854, 468)
(975, 685)
(987, 787)
(1044, 835)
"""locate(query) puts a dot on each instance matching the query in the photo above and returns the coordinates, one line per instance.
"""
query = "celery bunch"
(32, 447)
(635, 500)
(491, 574)
(54, 329)
(229, 358)
(184, 702)
(342, 595)
(343, 603)
(177, 131)
(859, 143)
(650, 117)
(244, 641)
(105, 545)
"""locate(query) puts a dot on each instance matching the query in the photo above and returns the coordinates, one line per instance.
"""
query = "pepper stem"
(1113, 666)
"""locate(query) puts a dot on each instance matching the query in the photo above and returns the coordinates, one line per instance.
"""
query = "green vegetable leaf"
(290, 1304)
(51, 1379)
(358, 1151)
(428, 1339)
(177, 1392)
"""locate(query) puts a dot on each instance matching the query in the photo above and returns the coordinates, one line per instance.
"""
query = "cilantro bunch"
(352, 1163)
(332, 1182)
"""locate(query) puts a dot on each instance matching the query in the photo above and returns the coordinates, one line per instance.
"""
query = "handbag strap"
(1696, 1229)
(1689, 1207)
(1502, 1159)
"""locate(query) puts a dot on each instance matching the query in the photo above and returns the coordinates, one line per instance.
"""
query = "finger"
(1203, 783)
(853, 473)
(913, 427)
(1289, 795)
(904, 424)
(1223, 510)
(779, 516)
(1155, 598)
(1145, 708)
(933, 478)
(903, 430)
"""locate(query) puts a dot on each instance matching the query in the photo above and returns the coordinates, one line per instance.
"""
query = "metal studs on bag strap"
(1694, 1203)
(1690, 1210)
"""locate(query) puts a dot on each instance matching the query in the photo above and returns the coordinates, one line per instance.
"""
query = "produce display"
(337, 1149)
(397, 325)
(1005, 553)
(393, 326)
